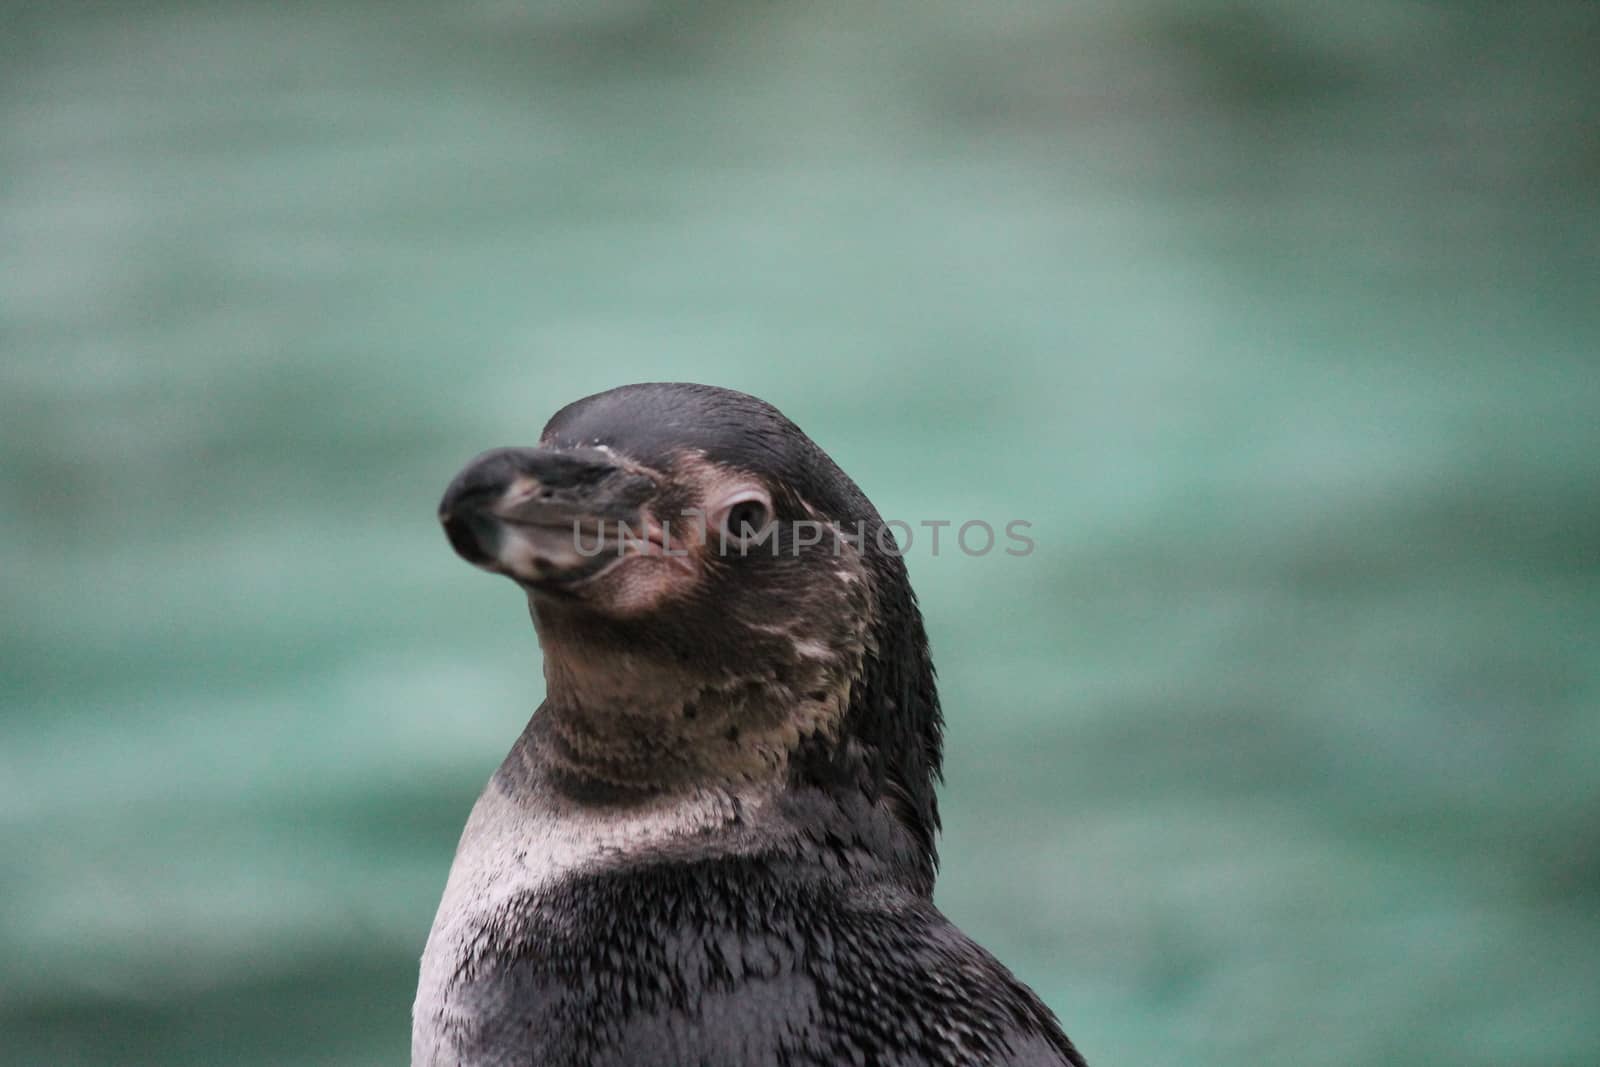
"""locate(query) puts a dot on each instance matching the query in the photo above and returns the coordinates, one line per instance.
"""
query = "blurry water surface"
(1278, 321)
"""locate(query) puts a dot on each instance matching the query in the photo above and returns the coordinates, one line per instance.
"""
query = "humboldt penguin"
(714, 843)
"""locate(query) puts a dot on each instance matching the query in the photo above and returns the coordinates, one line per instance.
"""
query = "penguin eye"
(745, 519)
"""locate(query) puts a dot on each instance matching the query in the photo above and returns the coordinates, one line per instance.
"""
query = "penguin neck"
(629, 727)
(832, 829)
(626, 724)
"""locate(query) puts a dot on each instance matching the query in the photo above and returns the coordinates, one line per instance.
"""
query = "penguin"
(714, 844)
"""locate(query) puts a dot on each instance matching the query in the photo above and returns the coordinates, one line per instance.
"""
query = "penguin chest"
(478, 999)
(505, 861)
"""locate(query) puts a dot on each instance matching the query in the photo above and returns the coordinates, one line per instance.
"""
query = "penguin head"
(716, 600)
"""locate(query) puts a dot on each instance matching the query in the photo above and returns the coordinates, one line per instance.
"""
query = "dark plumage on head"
(745, 619)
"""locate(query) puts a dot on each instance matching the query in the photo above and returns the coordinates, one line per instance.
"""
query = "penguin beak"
(546, 517)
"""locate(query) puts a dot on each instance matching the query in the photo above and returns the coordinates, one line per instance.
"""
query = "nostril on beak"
(475, 535)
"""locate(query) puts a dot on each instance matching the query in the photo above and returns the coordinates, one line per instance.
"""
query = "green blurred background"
(1278, 320)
